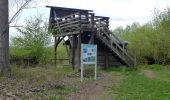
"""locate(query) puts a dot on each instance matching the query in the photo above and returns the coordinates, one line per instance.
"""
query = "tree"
(4, 33)
(4, 37)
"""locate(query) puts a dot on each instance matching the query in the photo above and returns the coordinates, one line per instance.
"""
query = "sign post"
(88, 57)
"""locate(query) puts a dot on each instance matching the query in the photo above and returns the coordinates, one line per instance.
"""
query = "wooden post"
(99, 28)
(57, 40)
(92, 21)
(73, 52)
(79, 49)
(79, 15)
(92, 26)
(107, 23)
(70, 49)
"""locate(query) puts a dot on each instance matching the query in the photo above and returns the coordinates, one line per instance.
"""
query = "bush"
(33, 43)
(149, 42)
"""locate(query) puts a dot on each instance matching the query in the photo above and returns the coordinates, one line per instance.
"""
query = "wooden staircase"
(114, 44)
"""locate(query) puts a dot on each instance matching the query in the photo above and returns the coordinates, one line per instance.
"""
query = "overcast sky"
(121, 12)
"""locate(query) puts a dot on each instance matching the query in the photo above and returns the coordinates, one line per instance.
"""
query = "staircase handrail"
(117, 40)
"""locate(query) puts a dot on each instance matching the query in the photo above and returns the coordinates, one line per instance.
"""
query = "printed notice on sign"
(88, 53)
(88, 57)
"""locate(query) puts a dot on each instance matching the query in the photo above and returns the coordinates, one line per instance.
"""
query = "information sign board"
(88, 56)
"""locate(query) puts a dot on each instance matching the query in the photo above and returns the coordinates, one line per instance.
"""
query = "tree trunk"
(4, 38)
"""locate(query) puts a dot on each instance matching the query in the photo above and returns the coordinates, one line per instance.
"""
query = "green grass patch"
(154, 67)
(136, 86)
(52, 98)
(121, 70)
(162, 72)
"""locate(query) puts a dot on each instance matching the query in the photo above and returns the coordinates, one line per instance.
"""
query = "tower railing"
(114, 43)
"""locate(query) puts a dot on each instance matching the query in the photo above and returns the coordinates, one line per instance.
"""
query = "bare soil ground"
(94, 90)
(148, 73)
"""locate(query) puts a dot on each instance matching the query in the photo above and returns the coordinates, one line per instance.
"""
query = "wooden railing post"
(107, 23)
(79, 18)
(92, 21)
(99, 27)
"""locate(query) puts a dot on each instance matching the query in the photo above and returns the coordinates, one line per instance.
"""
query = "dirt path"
(94, 90)
(149, 74)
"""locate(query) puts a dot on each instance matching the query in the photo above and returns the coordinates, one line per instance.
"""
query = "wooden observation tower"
(83, 26)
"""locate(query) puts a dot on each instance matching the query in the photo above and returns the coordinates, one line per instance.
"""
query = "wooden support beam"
(55, 49)
(91, 41)
(79, 50)
(73, 52)
(70, 49)
(93, 30)
(70, 40)
(57, 40)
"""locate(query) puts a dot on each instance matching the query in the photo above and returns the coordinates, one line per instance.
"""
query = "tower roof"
(63, 11)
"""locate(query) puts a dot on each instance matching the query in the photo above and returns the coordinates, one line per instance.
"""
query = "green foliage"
(33, 41)
(61, 52)
(162, 23)
(149, 41)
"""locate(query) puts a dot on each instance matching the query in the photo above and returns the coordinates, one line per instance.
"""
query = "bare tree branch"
(16, 14)
(19, 10)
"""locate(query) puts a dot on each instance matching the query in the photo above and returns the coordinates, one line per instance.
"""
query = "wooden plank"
(69, 23)
(68, 26)
(102, 17)
(68, 34)
(70, 15)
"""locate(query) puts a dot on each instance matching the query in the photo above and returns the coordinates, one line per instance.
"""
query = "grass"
(62, 89)
(46, 79)
(39, 72)
(128, 83)
(136, 86)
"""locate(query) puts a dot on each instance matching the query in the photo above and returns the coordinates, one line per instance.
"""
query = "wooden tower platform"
(83, 26)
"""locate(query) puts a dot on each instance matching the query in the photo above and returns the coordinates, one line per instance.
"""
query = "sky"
(121, 12)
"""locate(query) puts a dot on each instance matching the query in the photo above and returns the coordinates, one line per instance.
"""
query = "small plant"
(62, 89)
(52, 98)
